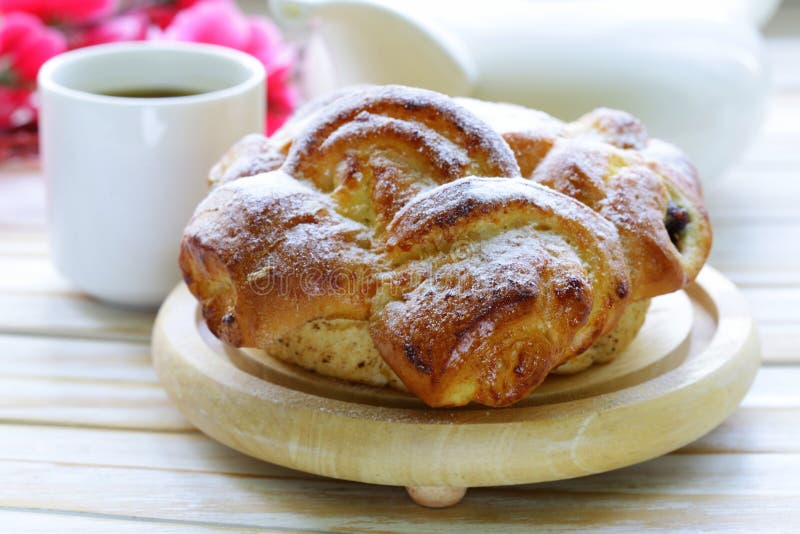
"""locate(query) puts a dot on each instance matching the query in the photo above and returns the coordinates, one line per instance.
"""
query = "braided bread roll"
(364, 249)
(372, 218)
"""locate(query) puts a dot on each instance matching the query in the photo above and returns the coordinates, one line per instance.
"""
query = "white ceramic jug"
(692, 71)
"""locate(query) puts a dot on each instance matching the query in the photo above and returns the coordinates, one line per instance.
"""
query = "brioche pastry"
(387, 237)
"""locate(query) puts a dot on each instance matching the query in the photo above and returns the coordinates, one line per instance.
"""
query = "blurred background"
(696, 73)
(718, 78)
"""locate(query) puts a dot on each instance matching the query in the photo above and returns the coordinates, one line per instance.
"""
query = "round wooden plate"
(685, 372)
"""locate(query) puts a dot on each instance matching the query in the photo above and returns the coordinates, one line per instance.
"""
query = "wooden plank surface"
(22, 202)
(82, 382)
(686, 490)
(21, 242)
(48, 522)
(70, 314)
(91, 443)
(35, 299)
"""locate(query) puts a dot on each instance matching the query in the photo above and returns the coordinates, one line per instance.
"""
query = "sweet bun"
(394, 236)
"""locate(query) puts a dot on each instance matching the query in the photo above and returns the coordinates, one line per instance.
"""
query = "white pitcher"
(692, 71)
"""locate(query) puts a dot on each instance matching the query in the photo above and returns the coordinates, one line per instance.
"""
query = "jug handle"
(298, 13)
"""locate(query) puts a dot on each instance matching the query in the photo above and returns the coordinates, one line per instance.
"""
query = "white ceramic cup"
(124, 174)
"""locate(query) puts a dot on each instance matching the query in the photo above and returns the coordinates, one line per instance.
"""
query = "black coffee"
(152, 92)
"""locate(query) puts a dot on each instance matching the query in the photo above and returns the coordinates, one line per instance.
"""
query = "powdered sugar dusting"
(428, 108)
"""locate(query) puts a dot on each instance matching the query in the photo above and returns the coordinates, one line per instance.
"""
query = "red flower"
(25, 44)
(220, 22)
(61, 10)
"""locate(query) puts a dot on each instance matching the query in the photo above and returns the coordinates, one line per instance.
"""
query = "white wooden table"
(89, 441)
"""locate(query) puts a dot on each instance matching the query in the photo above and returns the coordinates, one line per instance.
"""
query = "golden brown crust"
(252, 155)
(530, 133)
(470, 146)
(255, 153)
(646, 187)
(679, 177)
(376, 148)
(494, 283)
(610, 345)
(266, 254)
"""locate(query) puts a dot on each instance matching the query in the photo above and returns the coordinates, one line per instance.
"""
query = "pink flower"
(130, 27)
(162, 14)
(220, 22)
(281, 98)
(266, 43)
(212, 22)
(61, 10)
(25, 44)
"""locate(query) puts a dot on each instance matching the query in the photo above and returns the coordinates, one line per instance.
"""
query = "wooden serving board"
(686, 371)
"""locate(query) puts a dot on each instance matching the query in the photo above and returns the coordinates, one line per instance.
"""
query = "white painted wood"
(71, 315)
(48, 522)
(688, 492)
